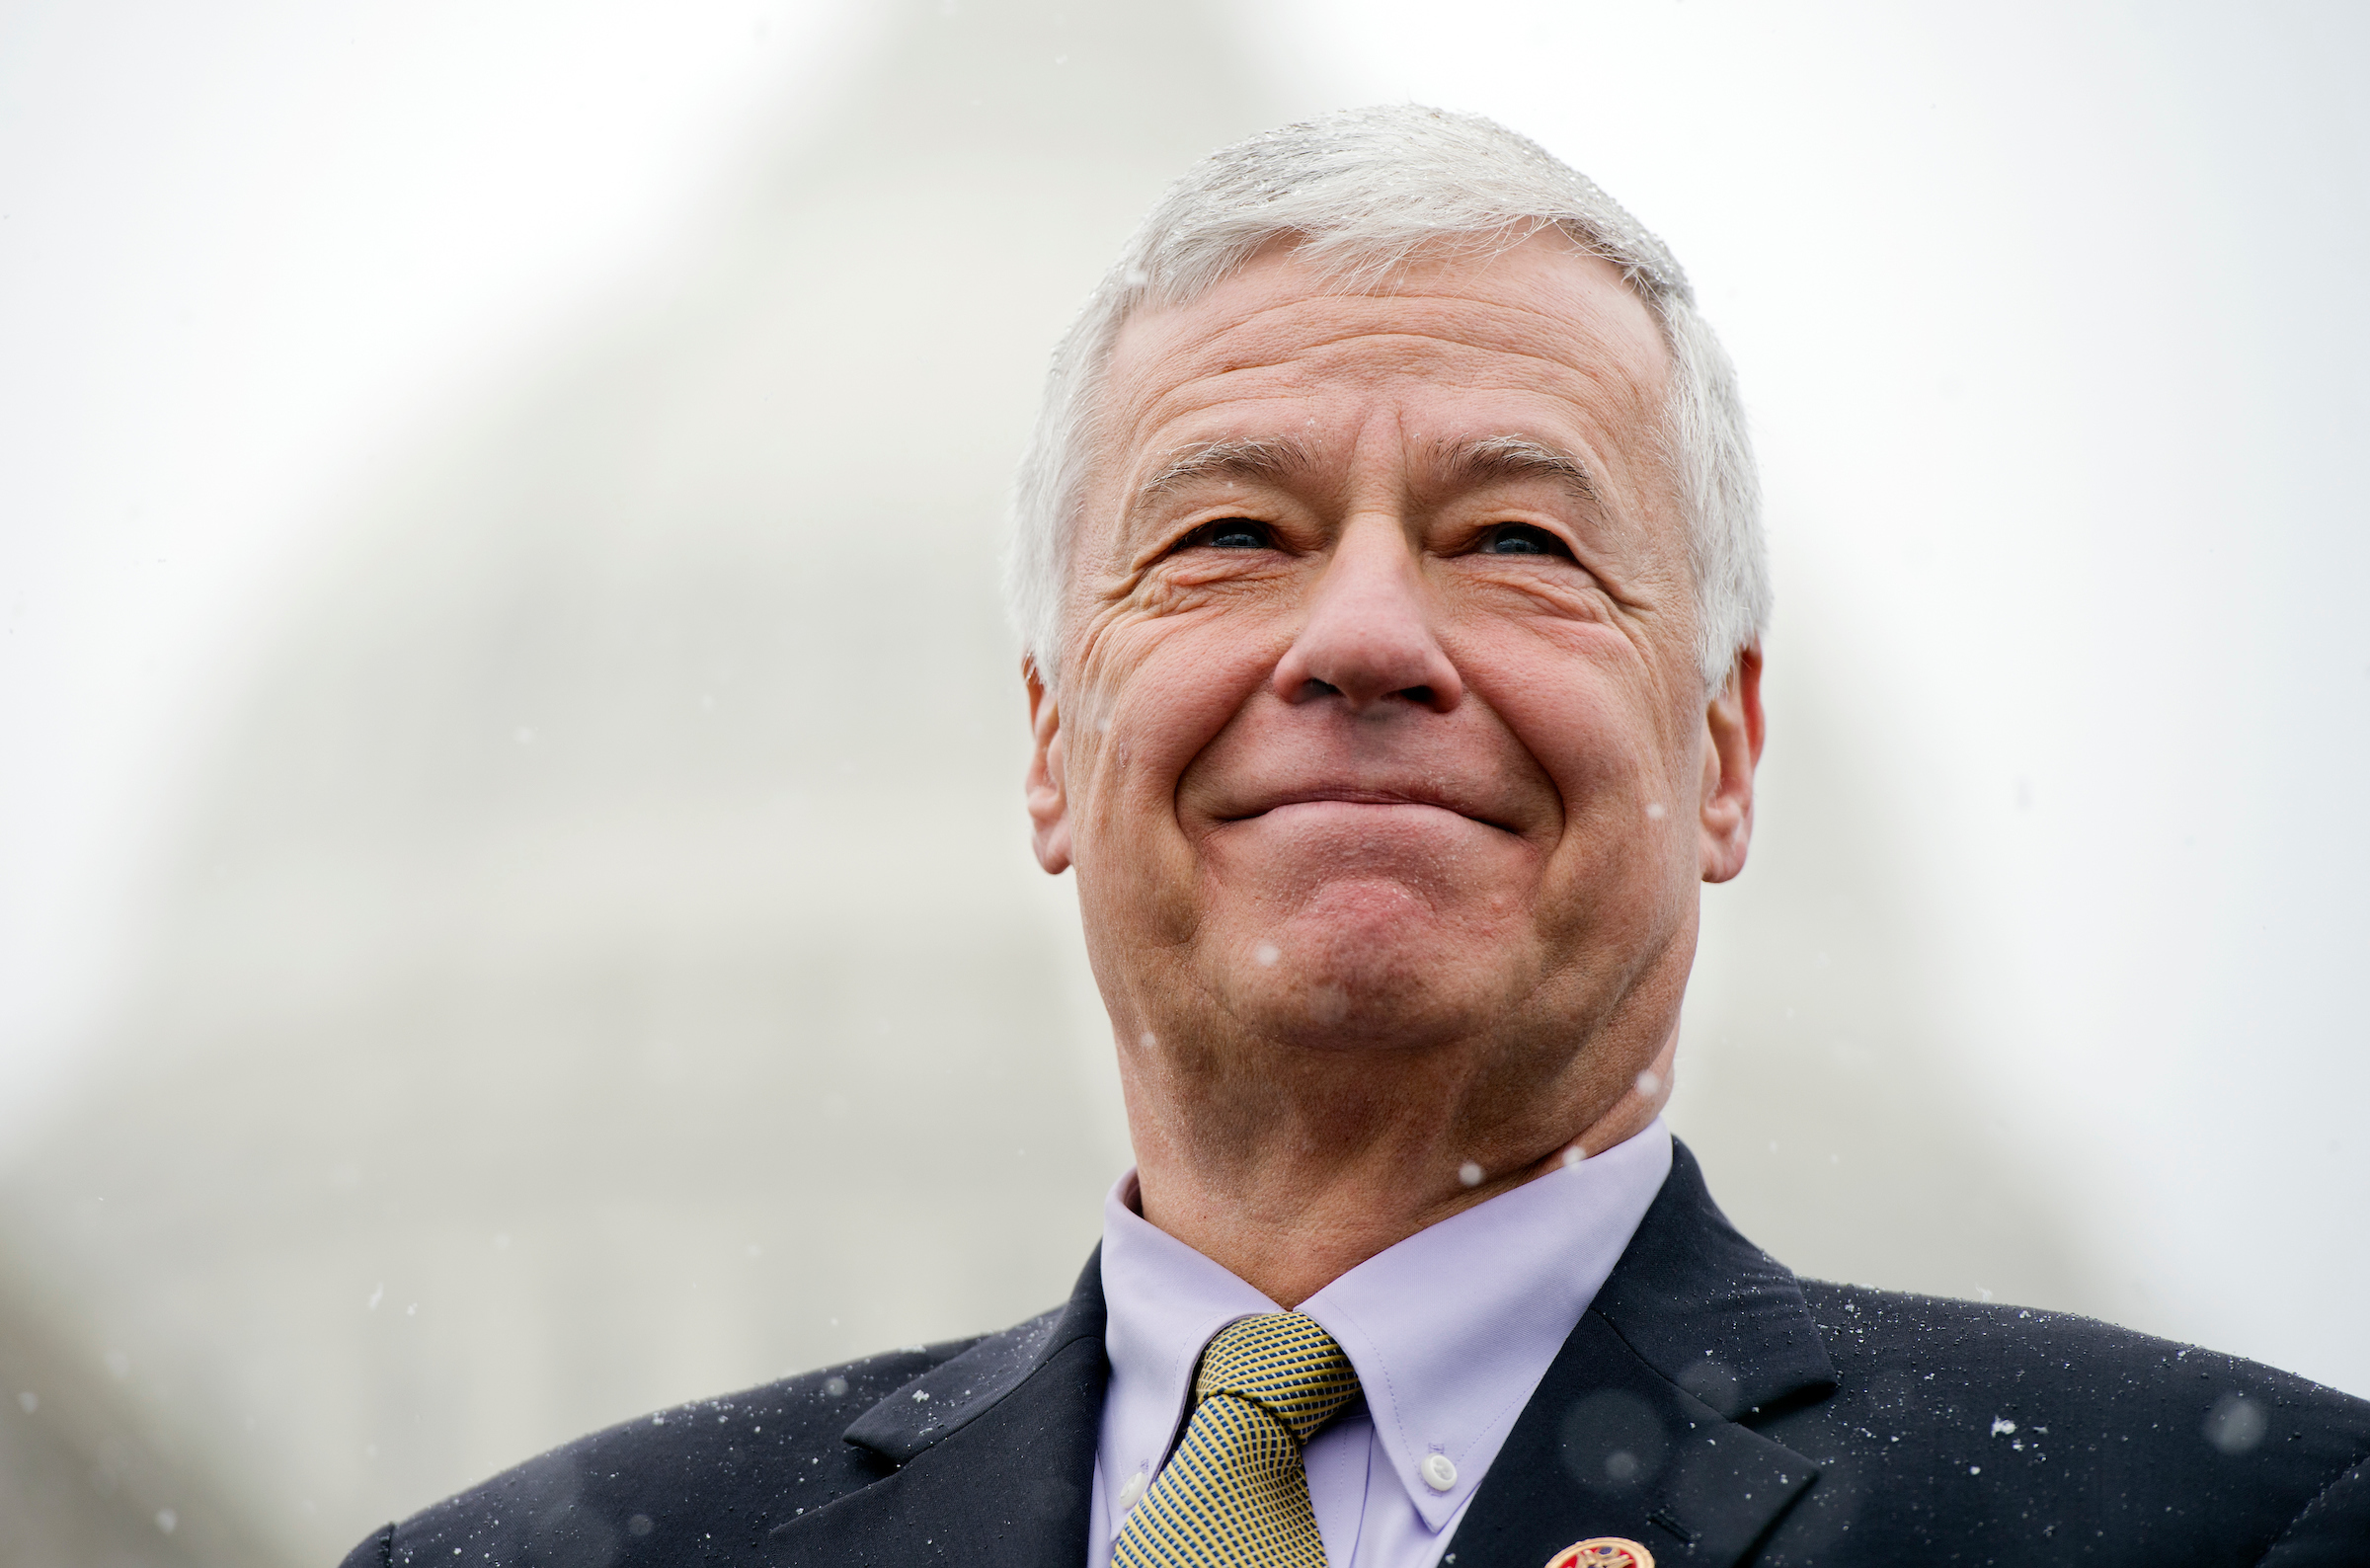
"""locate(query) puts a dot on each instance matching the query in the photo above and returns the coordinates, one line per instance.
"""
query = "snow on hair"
(1359, 192)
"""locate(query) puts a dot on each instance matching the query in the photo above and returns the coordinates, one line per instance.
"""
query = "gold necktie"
(1233, 1495)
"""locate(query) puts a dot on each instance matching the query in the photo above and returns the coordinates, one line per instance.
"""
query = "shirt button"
(1132, 1493)
(1439, 1472)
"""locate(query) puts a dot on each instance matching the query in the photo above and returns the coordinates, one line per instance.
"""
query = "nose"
(1369, 637)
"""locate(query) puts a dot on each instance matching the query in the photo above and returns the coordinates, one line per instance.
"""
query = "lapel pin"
(1602, 1551)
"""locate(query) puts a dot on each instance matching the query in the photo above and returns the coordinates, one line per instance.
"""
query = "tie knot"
(1283, 1362)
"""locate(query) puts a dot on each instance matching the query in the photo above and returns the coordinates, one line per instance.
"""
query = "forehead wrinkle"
(1280, 349)
(1370, 359)
(1541, 335)
(1289, 380)
(1576, 333)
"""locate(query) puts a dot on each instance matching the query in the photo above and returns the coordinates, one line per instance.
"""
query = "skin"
(1380, 749)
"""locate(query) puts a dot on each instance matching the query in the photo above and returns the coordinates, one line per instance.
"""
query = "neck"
(1292, 1176)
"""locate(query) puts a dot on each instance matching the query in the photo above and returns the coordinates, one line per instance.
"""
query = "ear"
(1733, 731)
(1049, 801)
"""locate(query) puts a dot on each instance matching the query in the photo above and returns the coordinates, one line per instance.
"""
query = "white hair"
(1361, 192)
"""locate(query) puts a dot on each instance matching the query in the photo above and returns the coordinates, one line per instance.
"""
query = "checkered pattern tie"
(1233, 1495)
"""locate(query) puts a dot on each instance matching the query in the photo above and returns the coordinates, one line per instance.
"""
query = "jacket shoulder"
(2009, 1434)
(2079, 1361)
(708, 1479)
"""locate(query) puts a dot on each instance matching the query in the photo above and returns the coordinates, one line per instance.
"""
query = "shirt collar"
(1449, 1331)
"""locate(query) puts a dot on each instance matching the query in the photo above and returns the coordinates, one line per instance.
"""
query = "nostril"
(1314, 687)
(1420, 695)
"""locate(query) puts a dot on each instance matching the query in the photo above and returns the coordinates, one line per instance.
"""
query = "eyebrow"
(1227, 459)
(1494, 459)
(1503, 458)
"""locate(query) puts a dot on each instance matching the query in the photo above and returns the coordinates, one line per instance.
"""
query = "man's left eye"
(1521, 538)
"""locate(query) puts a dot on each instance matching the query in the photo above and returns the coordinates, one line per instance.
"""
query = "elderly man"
(1392, 584)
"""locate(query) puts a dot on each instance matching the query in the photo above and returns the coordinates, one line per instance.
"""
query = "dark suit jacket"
(1708, 1405)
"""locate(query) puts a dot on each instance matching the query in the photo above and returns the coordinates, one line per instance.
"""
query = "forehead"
(1537, 340)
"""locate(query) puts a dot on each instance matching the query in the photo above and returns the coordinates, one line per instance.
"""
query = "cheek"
(1158, 691)
(1565, 693)
(1602, 734)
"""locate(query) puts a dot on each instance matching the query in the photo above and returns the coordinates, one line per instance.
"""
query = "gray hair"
(1361, 192)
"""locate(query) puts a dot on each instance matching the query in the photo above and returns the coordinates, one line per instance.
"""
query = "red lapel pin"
(1602, 1551)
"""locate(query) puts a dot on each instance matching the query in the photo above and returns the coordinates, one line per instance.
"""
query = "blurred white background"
(446, 778)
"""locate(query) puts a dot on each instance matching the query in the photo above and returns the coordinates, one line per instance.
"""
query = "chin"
(1365, 968)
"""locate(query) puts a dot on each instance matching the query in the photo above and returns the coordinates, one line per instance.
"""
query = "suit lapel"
(1633, 1432)
(995, 1455)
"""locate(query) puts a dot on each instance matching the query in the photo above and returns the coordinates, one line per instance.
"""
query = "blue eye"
(1231, 533)
(1520, 538)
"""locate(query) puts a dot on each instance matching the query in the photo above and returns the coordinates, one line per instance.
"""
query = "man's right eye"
(1230, 533)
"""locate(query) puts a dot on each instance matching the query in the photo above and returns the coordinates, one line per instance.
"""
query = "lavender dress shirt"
(1450, 1331)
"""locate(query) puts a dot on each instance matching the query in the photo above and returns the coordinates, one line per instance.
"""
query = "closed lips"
(1371, 797)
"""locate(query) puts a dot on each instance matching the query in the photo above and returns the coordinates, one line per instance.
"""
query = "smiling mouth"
(1364, 797)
